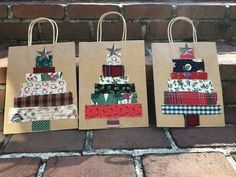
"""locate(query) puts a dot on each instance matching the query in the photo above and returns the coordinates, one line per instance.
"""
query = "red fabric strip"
(113, 111)
(44, 70)
(190, 98)
(191, 120)
(189, 75)
(44, 100)
(113, 70)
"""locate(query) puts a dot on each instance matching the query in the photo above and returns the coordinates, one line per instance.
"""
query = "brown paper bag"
(185, 94)
(41, 86)
(112, 90)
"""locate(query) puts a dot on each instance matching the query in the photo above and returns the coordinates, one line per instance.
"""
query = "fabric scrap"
(113, 80)
(113, 70)
(17, 115)
(190, 109)
(41, 126)
(44, 70)
(113, 123)
(116, 98)
(113, 111)
(114, 88)
(191, 120)
(189, 75)
(188, 65)
(35, 77)
(184, 85)
(43, 88)
(190, 98)
(44, 100)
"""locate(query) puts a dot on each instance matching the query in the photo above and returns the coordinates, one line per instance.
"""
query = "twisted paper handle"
(43, 19)
(99, 26)
(170, 25)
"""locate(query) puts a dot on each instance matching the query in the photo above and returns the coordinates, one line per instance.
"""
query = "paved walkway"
(148, 152)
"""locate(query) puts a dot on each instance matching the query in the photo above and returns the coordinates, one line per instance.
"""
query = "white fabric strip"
(26, 114)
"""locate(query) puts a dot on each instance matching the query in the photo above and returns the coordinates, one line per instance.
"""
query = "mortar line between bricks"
(170, 139)
(41, 169)
(232, 162)
(134, 152)
(138, 166)
(88, 141)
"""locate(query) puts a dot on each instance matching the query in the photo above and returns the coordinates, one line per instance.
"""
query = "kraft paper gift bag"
(112, 91)
(187, 83)
(41, 86)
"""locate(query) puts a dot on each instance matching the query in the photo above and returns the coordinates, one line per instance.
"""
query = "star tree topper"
(113, 58)
(44, 54)
(186, 52)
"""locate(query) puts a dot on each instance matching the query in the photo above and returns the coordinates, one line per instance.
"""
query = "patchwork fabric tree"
(113, 97)
(189, 92)
(44, 96)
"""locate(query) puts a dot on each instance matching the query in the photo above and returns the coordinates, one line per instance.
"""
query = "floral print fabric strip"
(204, 86)
(43, 88)
(26, 114)
(189, 75)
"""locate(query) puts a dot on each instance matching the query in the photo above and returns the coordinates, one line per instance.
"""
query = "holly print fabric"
(34, 77)
(183, 85)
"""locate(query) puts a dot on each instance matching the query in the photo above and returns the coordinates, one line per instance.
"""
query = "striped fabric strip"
(189, 75)
(190, 98)
(187, 109)
(44, 100)
(44, 70)
(113, 70)
(113, 123)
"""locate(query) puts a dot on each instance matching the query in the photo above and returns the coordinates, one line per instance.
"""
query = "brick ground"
(71, 140)
(23, 167)
(90, 166)
(203, 164)
(205, 137)
(130, 138)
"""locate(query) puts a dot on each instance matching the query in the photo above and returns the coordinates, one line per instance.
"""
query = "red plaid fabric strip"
(189, 75)
(44, 100)
(44, 70)
(191, 120)
(190, 98)
(113, 70)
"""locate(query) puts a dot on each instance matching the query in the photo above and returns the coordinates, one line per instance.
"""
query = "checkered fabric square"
(190, 109)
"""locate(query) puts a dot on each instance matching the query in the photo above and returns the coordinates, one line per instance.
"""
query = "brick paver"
(22, 167)
(203, 137)
(90, 166)
(197, 165)
(130, 138)
(72, 140)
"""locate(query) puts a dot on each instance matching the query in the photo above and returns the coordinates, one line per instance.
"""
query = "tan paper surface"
(21, 61)
(92, 57)
(163, 53)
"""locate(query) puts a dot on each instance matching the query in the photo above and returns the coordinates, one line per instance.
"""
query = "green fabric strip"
(41, 126)
(113, 98)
